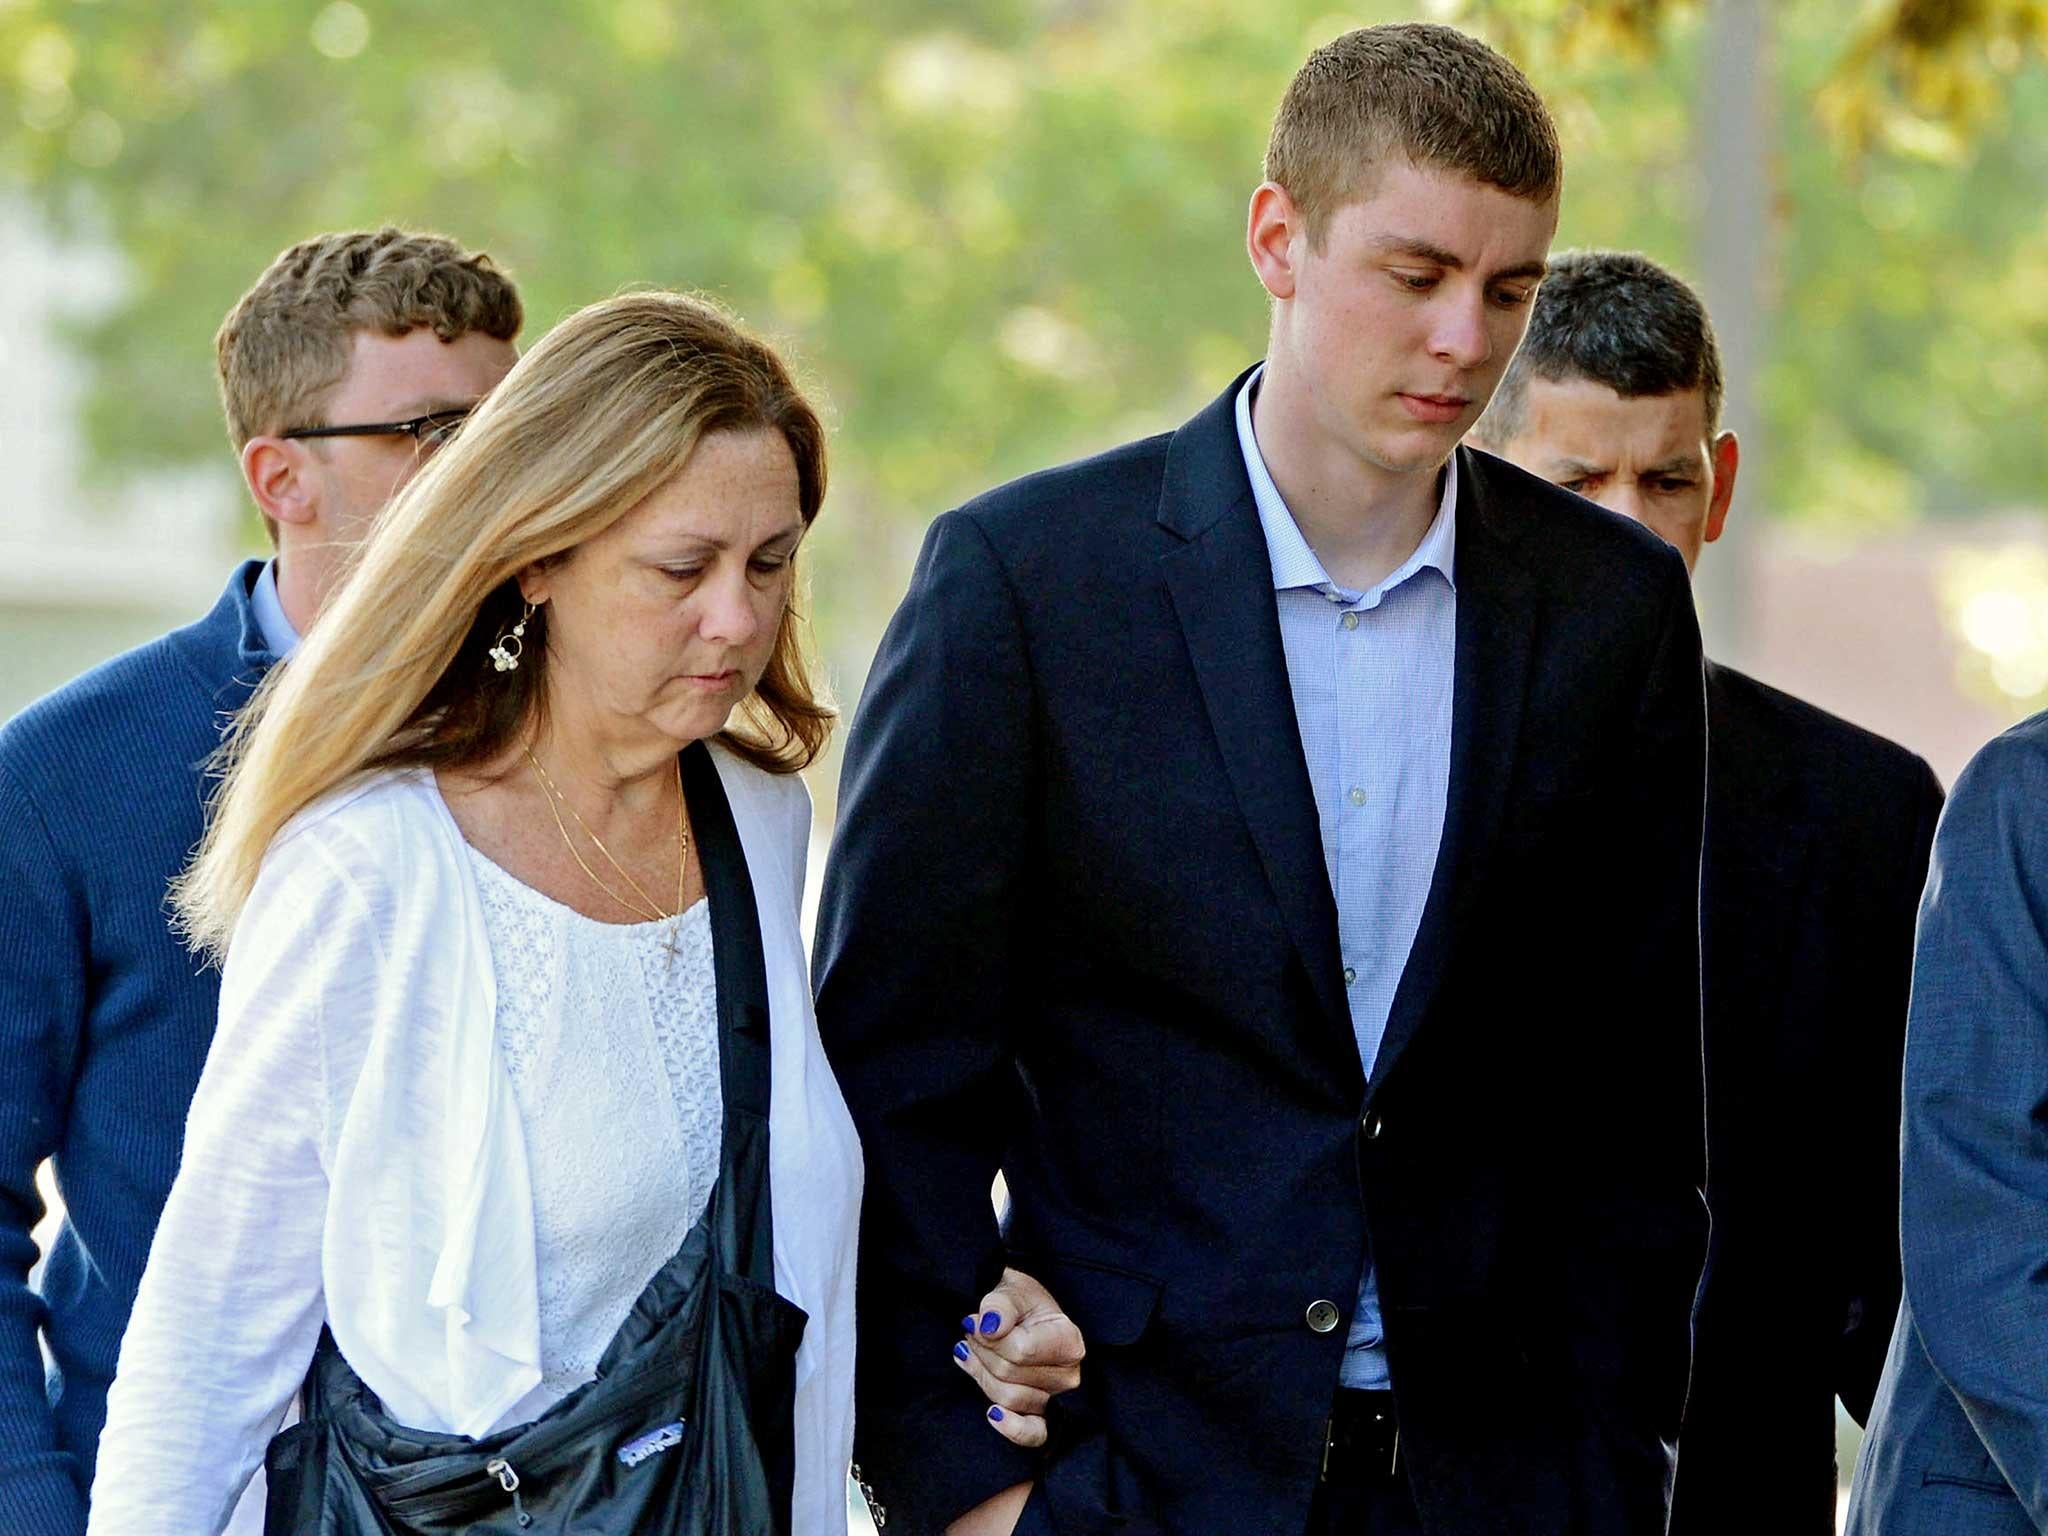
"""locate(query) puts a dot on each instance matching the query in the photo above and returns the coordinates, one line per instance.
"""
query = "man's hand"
(1021, 1349)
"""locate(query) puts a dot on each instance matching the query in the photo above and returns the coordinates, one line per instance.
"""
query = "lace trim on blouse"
(612, 1044)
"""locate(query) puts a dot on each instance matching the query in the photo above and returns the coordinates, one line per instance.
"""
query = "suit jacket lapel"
(1495, 630)
(1221, 582)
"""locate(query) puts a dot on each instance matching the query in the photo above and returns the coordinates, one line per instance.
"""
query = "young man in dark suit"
(1816, 850)
(1256, 847)
(350, 358)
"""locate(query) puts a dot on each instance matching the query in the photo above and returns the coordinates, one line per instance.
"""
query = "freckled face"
(1647, 457)
(662, 624)
(394, 378)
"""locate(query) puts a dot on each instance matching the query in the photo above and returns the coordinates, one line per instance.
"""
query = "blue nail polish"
(995, 1415)
(967, 1323)
(959, 1351)
(991, 1321)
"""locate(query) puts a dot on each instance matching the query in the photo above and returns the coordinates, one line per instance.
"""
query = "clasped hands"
(1021, 1350)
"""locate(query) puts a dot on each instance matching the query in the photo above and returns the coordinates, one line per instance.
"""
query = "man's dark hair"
(1427, 94)
(1616, 318)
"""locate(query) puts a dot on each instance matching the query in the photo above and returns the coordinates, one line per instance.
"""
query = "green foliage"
(988, 234)
(997, 236)
(1919, 292)
(1908, 366)
(1005, 233)
(1925, 77)
(1918, 77)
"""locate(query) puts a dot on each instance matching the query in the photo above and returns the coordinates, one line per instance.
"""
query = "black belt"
(1362, 1440)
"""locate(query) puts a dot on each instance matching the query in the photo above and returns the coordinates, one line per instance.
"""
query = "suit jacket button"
(1323, 1316)
(1373, 1125)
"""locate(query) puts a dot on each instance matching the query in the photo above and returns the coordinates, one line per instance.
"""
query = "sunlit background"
(997, 233)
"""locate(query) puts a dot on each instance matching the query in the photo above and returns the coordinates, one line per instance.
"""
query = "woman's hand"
(1021, 1349)
(994, 1517)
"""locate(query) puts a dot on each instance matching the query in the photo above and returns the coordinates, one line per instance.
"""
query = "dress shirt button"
(1373, 1125)
(1323, 1316)
(1357, 796)
(1350, 975)
(1351, 620)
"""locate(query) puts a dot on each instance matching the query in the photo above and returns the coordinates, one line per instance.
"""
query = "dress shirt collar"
(278, 632)
(1295, 564)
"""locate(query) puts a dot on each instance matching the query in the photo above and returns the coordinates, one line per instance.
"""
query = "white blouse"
(602, 1025)
(361, 1152)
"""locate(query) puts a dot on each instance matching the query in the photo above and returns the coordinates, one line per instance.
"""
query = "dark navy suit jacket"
(1817, 840)
(1077, 927)
(1958, 1441)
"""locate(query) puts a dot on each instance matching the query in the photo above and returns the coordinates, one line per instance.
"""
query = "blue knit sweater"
(104, 1021)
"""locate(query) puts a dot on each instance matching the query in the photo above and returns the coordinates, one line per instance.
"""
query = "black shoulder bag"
(687, 1427)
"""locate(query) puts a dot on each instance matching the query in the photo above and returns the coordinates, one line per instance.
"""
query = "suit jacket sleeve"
(42, 1008)
(916, 980)
(1974, 1207)
(1870, 1286)
(1636, 1234)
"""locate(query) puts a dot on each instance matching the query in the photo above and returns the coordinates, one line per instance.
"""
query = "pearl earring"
(511, 644)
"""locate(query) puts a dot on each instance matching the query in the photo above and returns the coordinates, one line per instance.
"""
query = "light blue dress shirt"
(278, 632)
(1371, 674)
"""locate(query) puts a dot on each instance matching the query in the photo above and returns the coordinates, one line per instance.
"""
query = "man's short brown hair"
(1432, 94)
(288, 341)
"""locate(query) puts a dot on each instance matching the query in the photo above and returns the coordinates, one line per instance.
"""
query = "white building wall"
(84, 574)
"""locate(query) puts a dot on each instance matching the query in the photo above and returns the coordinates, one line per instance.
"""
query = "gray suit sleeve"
(1974, 1187)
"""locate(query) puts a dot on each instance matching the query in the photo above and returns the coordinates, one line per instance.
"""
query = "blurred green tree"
(1917, 75)
(1905, 190)
(1003, 233)
(997, 235)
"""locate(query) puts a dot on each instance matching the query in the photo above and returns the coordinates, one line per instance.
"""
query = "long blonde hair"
(603, 411)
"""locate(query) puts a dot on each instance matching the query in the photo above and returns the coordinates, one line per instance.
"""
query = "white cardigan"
(354, 1156)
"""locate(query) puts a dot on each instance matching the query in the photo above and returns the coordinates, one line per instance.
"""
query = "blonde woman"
(466, 1100)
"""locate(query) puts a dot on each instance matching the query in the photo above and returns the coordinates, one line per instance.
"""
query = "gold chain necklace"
(647, 907)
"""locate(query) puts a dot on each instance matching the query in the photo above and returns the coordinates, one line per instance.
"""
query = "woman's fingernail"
(995, 1415)
(991, 1321)
(967, 1323)
(959, 1351)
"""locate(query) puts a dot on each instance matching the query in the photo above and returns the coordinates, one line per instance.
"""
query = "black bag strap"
(740, 1216)
(741, 1212)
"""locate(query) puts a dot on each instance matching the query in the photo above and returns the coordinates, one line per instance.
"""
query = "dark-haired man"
(1256, 847)
(352, 356)
(1816, 850)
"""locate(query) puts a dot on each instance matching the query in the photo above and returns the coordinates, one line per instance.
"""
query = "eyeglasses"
(430, 431)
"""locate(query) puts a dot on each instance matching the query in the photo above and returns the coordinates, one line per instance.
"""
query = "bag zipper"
(442, 1495)
(508, 1480)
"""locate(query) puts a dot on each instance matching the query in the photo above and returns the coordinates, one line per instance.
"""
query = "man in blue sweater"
(352, 357)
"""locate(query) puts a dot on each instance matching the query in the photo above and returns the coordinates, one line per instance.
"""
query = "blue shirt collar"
(1296, 565)
(278, 632)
